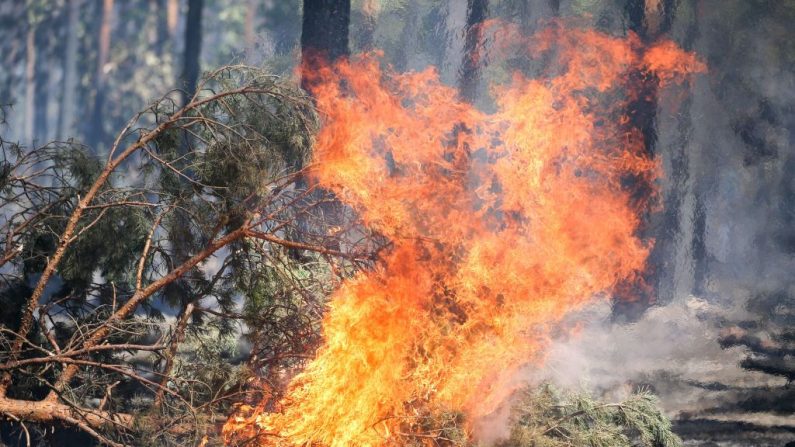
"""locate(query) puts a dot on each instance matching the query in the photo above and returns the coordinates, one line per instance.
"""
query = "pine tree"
(87, 265)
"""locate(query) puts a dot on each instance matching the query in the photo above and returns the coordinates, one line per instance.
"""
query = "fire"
(501, 223)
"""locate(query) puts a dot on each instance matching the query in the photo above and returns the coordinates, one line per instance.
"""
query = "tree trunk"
(54, 411)
(193, 41)
(30, 85)
(96, 133)
(698, 246)
(469, 73)
(250, 29)
(68, 98)
(554, 5)
(324, 35)
(324, 39)
(699, 243)
(682, 213)
(408, 37)
(172, 17)
(648, 19)
(523, 11)
(366, 35)
(9, 58)
(43, 79)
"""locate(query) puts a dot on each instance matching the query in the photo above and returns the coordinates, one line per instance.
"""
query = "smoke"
(671, 350)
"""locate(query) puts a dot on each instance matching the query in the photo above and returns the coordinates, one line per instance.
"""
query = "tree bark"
(54, 411)
(68, 97)
(469, 73)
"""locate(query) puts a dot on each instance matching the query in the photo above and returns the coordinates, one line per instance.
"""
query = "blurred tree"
(66, 116)
(193, 42)
(96, 126)
(172, 14)
(282, 19)
(34, 17)
(250, 28)
(11, 47)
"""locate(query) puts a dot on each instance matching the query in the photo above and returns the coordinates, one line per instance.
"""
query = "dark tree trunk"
(700, 256)
(324, 35)
(680, 218)
(181, 235)
(193, 41)
(699, 245)
(96, 134)
(642, 110)
(469, 73)
(642, 114)
(554, 5)
(324, 39)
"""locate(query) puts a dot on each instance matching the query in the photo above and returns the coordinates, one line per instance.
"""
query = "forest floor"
(712, 433)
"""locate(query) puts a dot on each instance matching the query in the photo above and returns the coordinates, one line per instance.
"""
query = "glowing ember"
(501, 225)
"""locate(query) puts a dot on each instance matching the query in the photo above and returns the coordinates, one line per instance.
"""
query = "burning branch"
(500, 225)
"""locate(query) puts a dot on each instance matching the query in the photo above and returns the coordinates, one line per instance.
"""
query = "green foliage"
(544, 416)
(229, 163)
(547, 417)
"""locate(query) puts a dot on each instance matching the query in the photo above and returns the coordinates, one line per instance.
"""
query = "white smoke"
(673, 349)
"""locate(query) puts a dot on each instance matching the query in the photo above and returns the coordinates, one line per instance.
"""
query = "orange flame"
(501, 225)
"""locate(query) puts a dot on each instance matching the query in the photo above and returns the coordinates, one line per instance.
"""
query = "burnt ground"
(712, 433)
